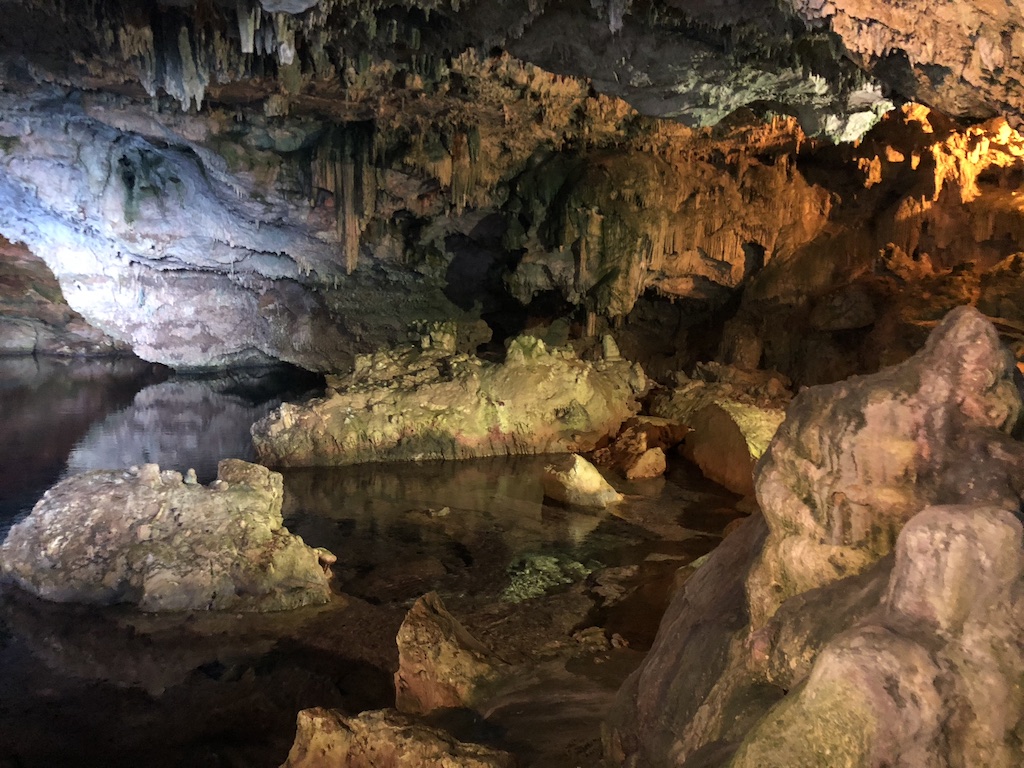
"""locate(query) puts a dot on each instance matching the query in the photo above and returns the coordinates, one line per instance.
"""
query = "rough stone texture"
(964, 58)
(910, 658)
(632, 452)
(694, 645)
(440, 665)
(579, 483)
(932, 679)
(35, 319)
(153, 541)
(855, 460)
(325, 737)
(428, 404)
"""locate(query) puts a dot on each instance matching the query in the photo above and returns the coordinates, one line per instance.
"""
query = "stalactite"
(343, 165)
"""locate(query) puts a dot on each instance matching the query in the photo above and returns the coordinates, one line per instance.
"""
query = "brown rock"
(440, 665)
(325, 738)
(639, 436)
(650, 463)
(727, 439)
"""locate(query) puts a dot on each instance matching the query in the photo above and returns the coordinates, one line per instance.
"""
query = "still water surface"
(75, 683)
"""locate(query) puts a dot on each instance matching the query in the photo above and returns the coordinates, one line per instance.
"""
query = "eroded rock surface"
(440, 665)
(638, 451)
(856, 459)
(859, 656)
(431, 404)
(150, 539)
(325, 737)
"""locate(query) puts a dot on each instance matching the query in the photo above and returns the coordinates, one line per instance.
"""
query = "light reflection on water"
(67, 416)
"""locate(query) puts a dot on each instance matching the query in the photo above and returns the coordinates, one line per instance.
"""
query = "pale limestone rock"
(856, 459)
(578, 482)
(156, 542)
(417, 404)
(440, 665)
(325, 738)
(930, 680)
(908, 659)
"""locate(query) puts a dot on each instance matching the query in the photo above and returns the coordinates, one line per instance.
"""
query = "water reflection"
(400, 530)
(46, 406)
(67, 416)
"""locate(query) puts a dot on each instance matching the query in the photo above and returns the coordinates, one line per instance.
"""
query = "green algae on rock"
(428, 403)
(150, 539)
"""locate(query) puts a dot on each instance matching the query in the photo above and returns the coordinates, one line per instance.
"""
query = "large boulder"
(432, 403)
(150, 539)
(908, 658)
(856, 459)
(440, 665)
(325, 737)
(731, 416)
(638, 451)
(932, 678)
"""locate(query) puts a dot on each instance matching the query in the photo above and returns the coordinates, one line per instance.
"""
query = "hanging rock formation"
(151, 540)
(423, 404)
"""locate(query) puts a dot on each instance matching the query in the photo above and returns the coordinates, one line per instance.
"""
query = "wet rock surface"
(162, 544)
(380, 738)
(880, 655)
(575, 481)
(440, 665)
(433, 404)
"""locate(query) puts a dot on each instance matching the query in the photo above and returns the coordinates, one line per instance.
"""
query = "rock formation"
(429, 403)
(578, 482)
(839, 651)
(855, 460)
(377, 738)
(440, 665)
(731, 416)
(148, 539)
(638, 451)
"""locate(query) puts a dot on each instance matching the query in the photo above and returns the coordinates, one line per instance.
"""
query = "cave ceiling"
(236, 182)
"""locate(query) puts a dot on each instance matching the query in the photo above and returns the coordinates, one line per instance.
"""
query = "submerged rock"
(578, 482)
(149, 539)
(428, 403)
(325, 737)
(440, 665)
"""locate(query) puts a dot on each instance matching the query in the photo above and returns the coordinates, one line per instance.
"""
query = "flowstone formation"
(428, 402)
(880, 620)
(150, 539)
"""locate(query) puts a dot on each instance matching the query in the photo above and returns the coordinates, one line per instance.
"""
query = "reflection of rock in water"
(177, 424)
(46, 406)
